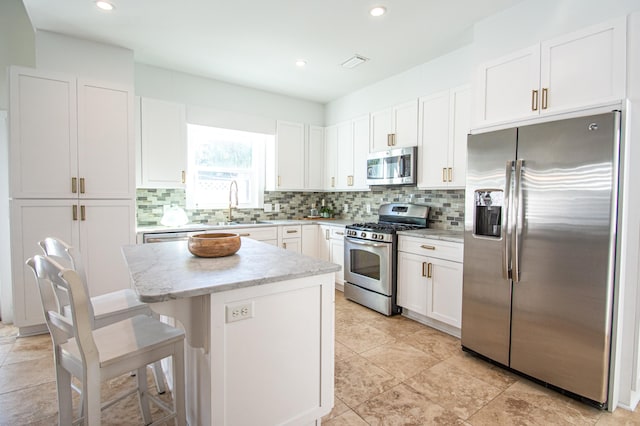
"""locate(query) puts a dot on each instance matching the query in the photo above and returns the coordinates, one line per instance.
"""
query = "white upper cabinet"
(395, 127)
(70, 137)
(163, 128)
(314, 160)
(344, 168)
(347, 147)
(44, 136)
(360, 152)
(290, 161)
(582, 69)
(330, 157)
(444, 125)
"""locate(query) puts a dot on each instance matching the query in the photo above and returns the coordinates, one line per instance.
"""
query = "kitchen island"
(259, 326)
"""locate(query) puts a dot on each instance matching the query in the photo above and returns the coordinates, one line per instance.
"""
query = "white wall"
(230, 105)
(84, 58)
(450, 70)
(16, 43)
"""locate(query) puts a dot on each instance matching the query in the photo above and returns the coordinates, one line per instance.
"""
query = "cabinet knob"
(450, 174)
(534, 100)
(74, 185)
(444, 174)
(279, 180)
(74, 212)
(82, 185)
(184, 177)
(83, 213)
(424, 267)
(545, 96)
(426, 247)
(429, 270)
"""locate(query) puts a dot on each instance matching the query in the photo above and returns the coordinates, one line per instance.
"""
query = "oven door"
(367, 264)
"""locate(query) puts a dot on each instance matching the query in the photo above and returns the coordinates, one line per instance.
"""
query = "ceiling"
(256, 43)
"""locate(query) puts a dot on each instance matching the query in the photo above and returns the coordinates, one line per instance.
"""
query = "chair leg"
(65, 402)
(143, 396)
(158, 375)
(91, 394)
(179, 384)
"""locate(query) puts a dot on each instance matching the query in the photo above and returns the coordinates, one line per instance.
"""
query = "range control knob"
(381, 237)
(363, 234)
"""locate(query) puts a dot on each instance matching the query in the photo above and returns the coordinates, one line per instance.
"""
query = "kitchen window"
(217, 157)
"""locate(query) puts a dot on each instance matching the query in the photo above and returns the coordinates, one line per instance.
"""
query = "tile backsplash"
(447, 206)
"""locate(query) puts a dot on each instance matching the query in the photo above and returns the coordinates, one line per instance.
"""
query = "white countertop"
(205, 226)
(436, 234)
(167, 271)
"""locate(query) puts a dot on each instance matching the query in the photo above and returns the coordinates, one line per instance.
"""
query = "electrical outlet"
(277, 207)
(268, 207)
(368, 208)
(239, 312)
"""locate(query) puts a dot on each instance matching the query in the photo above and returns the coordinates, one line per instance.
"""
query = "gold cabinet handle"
(83, 213)
(82, 185)
(390, 139)
(326, 234)
(444, 174)
(74, 212)
(333, 182)
(184, 177)
(292, 231)
(74, 185)
(429, 270)
(426, 247)
(393, 140)
(545, 96)
(424, 267)
(534, 100)
(349, 180)
(450, 173)
(284, 245)
(339, 233)
(279, 180)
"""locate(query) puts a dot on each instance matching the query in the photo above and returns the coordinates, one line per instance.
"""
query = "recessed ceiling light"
(301, 63)
(105, 5)
(378, 11)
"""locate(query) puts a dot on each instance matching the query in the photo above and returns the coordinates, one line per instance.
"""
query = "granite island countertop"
(436, 234)
(166, 271)
(198, 227)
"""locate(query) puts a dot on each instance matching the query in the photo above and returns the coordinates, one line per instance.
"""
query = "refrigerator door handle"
(506, 228)
(517, 222)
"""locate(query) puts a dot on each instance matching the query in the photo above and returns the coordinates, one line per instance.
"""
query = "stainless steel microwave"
(392, 167)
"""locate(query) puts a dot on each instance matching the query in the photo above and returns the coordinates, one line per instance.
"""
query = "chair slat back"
(62, 327)
(67, 256)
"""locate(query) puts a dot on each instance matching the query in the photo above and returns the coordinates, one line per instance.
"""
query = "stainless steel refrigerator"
(539, 250)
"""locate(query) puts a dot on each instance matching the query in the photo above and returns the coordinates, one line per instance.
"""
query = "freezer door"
(562, 295)
(486, 300)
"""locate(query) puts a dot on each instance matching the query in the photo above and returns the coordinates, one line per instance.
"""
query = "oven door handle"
(363, 243)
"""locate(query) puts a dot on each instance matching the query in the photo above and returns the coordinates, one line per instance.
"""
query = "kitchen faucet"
(233, 183)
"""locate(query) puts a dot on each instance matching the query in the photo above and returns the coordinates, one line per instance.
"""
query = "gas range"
(370, 255)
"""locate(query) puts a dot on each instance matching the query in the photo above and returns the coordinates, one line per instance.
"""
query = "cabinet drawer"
(260, 234)
(292, 231)
(336, 233)
(433, 248)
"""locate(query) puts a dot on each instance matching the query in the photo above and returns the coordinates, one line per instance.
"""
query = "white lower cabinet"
(97, 228)
(430, 281)
(331, 248)
(310, 240)
(291, 237)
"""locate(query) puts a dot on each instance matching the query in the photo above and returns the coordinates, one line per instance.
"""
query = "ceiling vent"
(354, 61)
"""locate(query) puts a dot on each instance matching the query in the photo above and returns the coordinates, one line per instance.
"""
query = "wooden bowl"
(214, 245)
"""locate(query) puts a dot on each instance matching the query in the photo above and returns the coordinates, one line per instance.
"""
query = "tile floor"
(389, 371)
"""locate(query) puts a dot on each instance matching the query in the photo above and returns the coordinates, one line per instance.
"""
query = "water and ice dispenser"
(488, 212)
